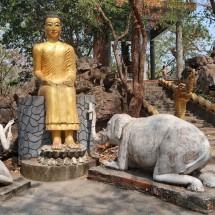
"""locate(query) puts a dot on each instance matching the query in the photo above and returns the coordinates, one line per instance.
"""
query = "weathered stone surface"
(6, 109)
(83, 83)
(31, 126)
(107, 103)
(32, 133)
(104, 77)
(19, 185)
(27, 89)
(33, 170)
(5, 102)
(84, 135)
(142, 181)
(205, 73)
(60, 155)
(84, 64)
(7, 113)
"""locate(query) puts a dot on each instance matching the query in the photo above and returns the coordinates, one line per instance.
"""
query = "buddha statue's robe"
(58, 66)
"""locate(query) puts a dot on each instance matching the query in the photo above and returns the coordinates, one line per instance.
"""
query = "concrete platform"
(137, 180)
(33, 170)
(19, 185)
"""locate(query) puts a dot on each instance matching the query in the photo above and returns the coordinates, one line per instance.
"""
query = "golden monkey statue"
(55, 68)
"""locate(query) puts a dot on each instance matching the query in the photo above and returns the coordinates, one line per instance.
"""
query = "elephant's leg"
(111, 164)
(207, 178)
(5, 177)
(122, 159)
(194, 184)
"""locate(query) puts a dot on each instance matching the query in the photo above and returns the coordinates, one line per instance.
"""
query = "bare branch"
(127, 28)
(106, 19)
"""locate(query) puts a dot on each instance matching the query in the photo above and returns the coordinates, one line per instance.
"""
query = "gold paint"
(182, 94)
(55, 68)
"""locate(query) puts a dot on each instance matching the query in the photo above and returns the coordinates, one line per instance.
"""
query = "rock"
(83, 83)
(196, 62)
(85, 64)
(6, 109)
(107, 103)
(95, 77)
(28, 89)
(205, 73)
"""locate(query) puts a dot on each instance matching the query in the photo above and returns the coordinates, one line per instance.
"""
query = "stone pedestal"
(31, 125)
(33, 170)
(66, 156)
(84, 135)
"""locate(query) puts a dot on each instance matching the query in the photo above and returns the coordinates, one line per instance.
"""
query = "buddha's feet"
(57, 146)
(73, 145)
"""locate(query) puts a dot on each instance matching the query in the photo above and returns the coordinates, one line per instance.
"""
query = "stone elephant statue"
(5, 139)
(172, 148)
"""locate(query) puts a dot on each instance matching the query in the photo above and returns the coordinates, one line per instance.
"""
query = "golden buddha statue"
(55, 68)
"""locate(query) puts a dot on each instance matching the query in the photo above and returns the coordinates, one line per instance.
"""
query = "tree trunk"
(179, 48)
(213, 5)
(138, 59)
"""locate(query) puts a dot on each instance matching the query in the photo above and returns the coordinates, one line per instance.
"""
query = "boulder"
(6, 109)
(107, 103)
(205, 73)
(85, 63)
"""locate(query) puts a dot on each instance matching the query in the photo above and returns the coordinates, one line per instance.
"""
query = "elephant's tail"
(202, 160)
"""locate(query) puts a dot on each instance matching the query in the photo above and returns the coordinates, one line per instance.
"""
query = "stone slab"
(137, 180)
(19, 185)
(33, 170)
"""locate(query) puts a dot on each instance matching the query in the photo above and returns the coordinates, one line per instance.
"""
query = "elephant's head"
(115, 127)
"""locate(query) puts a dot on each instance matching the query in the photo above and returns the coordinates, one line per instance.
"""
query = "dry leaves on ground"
(106, 152)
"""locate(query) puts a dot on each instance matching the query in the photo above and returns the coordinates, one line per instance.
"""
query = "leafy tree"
(138, 35)
(13, 68)
(196, 40)
(24, 21)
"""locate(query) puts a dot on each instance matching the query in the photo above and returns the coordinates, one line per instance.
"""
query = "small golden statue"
(55, 68)
(182, 94)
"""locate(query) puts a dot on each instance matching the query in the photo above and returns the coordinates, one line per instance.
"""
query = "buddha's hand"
(68, 83)
(47, 82)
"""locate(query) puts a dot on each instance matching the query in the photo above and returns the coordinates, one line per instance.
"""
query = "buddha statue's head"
(52, 26)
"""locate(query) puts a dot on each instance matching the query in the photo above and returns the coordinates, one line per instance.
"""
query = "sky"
(199, 8)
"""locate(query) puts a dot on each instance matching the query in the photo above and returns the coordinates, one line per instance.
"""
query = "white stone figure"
(5, 137)
(171, 147)
(97, 137)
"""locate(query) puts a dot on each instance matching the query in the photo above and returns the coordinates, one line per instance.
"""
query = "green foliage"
(24, 21)
(13, 69)
(196, 42)
(117, 15)
(207, 11)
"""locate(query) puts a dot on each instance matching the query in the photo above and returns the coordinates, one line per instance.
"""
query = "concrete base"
(137, 180)
(33, 170)
(19, 185)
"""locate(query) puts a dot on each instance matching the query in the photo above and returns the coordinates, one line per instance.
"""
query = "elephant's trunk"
(6, 135)
(100, 137)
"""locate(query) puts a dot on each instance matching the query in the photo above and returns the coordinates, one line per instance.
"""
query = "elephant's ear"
(118, 128)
